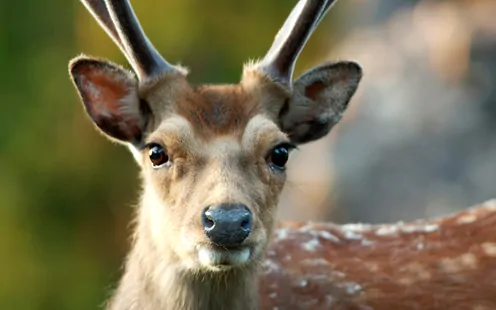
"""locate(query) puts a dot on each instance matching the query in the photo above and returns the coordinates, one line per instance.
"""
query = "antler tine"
(98, 9)
(279, 61)
(126, 31)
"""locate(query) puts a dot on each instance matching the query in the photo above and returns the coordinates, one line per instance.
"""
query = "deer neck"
(154, 282)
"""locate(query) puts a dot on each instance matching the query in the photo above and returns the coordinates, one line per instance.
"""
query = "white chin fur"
(214, 258)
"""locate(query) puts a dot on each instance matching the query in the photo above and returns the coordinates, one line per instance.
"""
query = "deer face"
(213, 158)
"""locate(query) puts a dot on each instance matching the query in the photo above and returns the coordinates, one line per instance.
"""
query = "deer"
(213, 161)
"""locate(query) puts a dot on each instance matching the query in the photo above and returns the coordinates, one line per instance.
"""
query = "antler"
(279, 61)
(119, 21)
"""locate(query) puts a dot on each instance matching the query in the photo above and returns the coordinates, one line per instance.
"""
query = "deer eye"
(157, 155)
(279, 156)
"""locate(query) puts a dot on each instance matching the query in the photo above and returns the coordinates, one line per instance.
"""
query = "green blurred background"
(66, 193)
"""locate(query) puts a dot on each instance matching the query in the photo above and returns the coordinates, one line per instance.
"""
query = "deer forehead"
(216, 109)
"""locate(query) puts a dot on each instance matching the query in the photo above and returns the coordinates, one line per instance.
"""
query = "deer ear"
(110, 97)
(320, 96)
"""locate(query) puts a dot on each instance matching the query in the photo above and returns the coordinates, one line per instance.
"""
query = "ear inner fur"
(109, 94)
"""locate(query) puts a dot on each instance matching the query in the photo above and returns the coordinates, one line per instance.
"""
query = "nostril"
(246, 224)
(208, 222)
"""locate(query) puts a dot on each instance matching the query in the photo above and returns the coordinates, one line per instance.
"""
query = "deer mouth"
(217, 258)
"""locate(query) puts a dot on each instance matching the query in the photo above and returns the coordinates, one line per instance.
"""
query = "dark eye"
(157, 155)
(278, 157)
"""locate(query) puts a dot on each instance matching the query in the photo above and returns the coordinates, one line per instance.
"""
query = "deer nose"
(227, 224)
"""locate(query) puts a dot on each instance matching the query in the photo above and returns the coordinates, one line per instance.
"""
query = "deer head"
(213, 157)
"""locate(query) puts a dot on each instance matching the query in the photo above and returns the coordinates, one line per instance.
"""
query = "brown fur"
(219, 110)
(438, 264)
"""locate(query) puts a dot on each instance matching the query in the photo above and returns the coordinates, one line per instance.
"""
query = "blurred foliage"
(65, 192)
